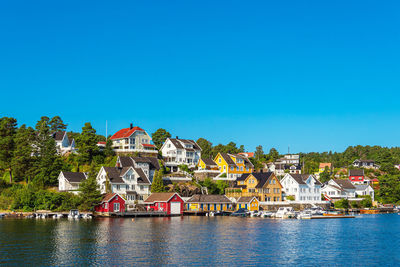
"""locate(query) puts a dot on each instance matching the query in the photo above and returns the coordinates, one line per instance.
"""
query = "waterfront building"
(208, 203)
(304, 188)
(338, 189)
(111, 202)
(249, 203)
(70, 181)
(263, 185)
(148, 164)
(177, 152)
(131, 140)
(130, 182)
(365, 190)
(232, 166)
(170, 202)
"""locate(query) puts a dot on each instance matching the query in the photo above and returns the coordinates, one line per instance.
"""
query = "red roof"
(101, 143)
(126, 132)
(148, 145)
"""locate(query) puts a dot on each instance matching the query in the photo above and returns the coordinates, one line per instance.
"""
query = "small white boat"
(266, 214)
(255, 213)
(74, 214)
(43, 216)
(87, 216)
(57, 216)
(285, 213)
(306, 214)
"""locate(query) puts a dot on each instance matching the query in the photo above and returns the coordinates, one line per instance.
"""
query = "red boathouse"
(171, 203)
(111, 202)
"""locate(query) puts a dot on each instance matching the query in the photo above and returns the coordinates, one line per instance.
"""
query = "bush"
(342, 204)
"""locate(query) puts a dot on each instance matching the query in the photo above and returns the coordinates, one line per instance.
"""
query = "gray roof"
(356, 172)
(262, 177)
(129, 161)
(209, 199)
(178, 143)
(209, 162)
(345, 184)
(74, 177)
(245, 199)
(115, 174)
(361, 187)
(302, 178)
(58, 136)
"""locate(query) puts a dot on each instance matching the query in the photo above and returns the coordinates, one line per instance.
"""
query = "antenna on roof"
(288, 150)
(106, 131)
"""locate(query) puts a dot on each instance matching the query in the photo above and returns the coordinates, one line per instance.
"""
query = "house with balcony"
(304, 188)
(262, 185)
(338, 189)
(232, 166)
(177, 152)
(130, 182)
(131, 140)
(148, 164)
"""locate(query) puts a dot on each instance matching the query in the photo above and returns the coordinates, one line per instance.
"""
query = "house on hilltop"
(232, 166)
(132, 139)
(63, 143)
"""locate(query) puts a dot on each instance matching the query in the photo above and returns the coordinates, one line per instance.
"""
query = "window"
(237, 168)
(116, 198)
(106, 205)
(219, 160)
(241, 168)
(118, 186)
(232, 168)
(116, 206)
(141, 187)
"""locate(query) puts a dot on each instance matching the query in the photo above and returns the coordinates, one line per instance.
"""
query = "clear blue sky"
(315, 75)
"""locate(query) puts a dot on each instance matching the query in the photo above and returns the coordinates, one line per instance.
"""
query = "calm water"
(368, 240)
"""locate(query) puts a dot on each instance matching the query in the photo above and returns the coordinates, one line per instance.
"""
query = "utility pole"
(106, 130)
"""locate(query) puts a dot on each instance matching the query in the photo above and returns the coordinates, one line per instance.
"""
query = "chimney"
(177, 137)
(131, 126)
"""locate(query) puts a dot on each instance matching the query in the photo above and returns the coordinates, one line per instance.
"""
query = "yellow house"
(208, 203)
(323, 165)
(207, 164)
(263, 185)
(233, 165)
(249, 203)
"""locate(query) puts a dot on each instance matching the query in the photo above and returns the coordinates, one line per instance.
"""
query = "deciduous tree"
(159, 137)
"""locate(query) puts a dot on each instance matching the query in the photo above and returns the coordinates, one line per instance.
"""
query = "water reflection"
(201, 241)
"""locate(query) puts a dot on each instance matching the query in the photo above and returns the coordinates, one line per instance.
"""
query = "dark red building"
(171, 203)
(111, 202)
(356, 175)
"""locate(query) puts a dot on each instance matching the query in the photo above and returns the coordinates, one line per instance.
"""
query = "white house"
(365, 190)
(130, 182)
(180, 151)
(304, 187)
(148, 164)
(339, 188)
(132, 139)
(365, 163)
(70, 181)
(63, 143)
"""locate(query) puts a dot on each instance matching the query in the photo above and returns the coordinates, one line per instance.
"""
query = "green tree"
(108, 150)
(8, 130)
(325, 176)
(57, 124)
(87, 144)
(22, 160)
(159, 137)
(157, 184)
(48, 163)
(206, 148)
(273, 154)
(89, 191)
(259, 152)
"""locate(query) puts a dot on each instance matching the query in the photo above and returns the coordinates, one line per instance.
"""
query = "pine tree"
(89, 191)
(23, 161)
(158, 185)
(57, 124)
(8, 130)
(108, 151)
(48, 162)
(87, 144)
